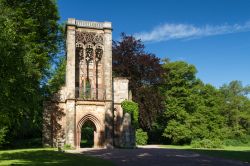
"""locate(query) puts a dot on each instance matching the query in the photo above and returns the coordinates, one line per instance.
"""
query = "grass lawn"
(48, 157)
(241, 153)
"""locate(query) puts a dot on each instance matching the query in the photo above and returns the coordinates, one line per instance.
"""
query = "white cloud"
(187, 31)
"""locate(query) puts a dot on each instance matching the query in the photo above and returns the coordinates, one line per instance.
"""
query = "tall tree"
(29, 40)
(144, 71)
(236, 107)
(179, 81)
(192, 108)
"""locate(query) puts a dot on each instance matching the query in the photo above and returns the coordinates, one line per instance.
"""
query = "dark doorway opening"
(87, 135)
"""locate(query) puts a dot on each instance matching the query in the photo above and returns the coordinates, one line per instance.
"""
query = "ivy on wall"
(133, 109)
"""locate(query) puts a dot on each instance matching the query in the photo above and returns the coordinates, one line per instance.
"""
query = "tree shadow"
(52, 115)
(242, 155)
(160, 156)
(47, 157)
(43, 157)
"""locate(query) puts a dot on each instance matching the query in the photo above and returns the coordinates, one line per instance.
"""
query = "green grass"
(87, 143)
(241, 153)
(47, 157)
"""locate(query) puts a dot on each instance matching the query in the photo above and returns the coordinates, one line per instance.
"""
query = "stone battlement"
(89, 24)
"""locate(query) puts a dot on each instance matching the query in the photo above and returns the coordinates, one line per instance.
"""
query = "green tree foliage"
(236, 108)
(178, 87)
(29, 40)
(57, 79)
(144, 72)
(87, 134)
(3, 132)
(199, 113)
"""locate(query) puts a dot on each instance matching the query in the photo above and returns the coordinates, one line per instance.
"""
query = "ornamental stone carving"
(89, 37)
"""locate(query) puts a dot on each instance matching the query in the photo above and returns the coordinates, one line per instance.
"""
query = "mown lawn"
(241, 153)
(47, 157)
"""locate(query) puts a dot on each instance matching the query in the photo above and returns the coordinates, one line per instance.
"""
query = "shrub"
(207, 143)
(241, 141)
(133, 109)
(141, 137)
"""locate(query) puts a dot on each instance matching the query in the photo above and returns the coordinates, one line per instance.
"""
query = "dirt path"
(155, 156)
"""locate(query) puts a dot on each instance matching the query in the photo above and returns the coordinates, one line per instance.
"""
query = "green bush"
(141, 137)
(133, 109)
(242, 141)
(207, 143)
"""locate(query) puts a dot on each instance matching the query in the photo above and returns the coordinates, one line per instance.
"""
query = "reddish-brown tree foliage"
(144, 71)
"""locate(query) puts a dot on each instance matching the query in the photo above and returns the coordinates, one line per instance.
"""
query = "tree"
(29, 41)
(57, 79)
(236, 107)
(144, 71)
(192, 108)
(179, 80)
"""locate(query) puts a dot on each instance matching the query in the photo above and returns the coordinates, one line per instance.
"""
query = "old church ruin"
(90, 94)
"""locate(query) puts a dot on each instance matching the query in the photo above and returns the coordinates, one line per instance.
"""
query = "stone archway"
(98, 133)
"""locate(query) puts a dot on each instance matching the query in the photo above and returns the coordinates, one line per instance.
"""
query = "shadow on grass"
(47, 157)
(227, 154)
(25, 144)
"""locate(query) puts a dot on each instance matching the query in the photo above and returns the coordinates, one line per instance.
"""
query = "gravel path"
(155, 156)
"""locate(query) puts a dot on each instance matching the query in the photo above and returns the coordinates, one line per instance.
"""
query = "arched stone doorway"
(98, 130)
(88, 133)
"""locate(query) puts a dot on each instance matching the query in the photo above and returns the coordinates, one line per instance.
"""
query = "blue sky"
(214, 35)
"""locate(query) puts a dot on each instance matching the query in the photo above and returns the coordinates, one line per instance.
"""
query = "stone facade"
(90, 93)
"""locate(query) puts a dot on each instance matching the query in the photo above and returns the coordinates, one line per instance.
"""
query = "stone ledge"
(89, 24)
(84, 102)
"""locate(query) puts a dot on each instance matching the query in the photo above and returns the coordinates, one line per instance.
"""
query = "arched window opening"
(89, 74)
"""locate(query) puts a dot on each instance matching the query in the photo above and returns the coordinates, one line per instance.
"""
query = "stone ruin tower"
(91, 94)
